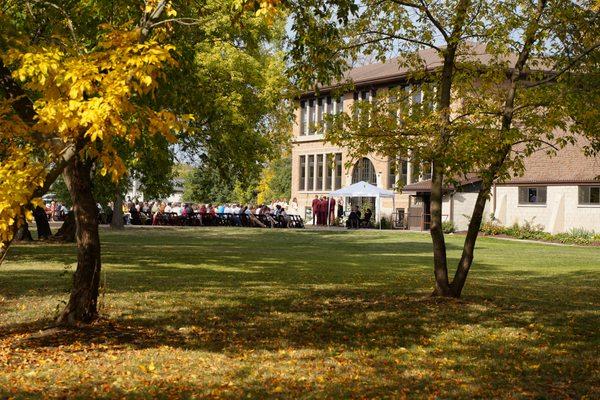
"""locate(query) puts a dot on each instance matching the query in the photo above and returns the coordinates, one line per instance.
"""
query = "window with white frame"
(311, 116)
(404, 173)
(320, 110)
(392, 173)
(302, 184)
(339, 105)
(532, 194)
(311, 173)
(338, 171)
(319, 172)
(313, 112)
(303, 116)
(329, 166)
(589, 195)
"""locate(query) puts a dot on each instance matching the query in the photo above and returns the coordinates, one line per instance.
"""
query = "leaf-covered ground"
(228, 313)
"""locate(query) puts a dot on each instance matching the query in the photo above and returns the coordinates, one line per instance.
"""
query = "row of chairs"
(224, 219)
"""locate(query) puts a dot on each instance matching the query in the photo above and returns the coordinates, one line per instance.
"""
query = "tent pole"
(328, 209)
(393, 209)
(379, 210)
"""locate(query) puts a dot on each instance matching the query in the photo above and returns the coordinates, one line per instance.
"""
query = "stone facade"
(314, 145)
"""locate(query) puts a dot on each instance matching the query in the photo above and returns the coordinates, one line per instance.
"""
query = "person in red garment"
(315, 209)
(323, 210)
(331, 210)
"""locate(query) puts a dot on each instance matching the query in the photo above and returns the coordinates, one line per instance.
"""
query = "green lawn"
(229, 313)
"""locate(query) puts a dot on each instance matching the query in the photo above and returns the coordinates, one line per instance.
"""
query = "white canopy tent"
(364, 189)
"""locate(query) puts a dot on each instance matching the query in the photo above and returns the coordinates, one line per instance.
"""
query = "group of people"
(55, 211)
(163, 213)
(354, 218)
(324, 210)
(276, 214)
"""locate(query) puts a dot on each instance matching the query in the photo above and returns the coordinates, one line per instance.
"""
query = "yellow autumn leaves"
(20, 175)
(90, 96)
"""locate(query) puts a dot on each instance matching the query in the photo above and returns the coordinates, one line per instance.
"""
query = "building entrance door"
(419, 212)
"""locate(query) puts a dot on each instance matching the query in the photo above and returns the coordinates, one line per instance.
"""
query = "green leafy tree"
(276, 181)
(207, 185)
(486, 107)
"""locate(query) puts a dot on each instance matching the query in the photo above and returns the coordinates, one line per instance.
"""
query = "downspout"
(494, 201)
(452, 208)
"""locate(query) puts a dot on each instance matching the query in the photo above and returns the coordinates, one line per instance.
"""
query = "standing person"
(53, 211)
(331, 209)
(202, 212)
(315, 209)
(41, 221)
(323, 210)
(134, 215)
(340, 210)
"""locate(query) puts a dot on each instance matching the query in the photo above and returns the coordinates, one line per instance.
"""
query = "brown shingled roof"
(570, 165)
(425, 186)
(391, 70)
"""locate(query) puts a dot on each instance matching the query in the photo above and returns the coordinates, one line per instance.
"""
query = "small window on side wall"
(589, 195)
(532, 195)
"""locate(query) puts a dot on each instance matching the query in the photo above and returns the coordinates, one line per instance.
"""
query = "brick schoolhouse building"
(559, 193)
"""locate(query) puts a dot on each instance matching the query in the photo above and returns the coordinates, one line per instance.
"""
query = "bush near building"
(535, 232)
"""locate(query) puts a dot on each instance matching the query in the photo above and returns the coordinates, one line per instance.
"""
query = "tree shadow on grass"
(480, 337)
(224, 295)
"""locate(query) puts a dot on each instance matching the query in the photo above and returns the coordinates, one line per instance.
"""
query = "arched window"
(364, 171)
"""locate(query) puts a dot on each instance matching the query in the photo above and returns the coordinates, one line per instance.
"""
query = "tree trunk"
(440, 267)
(468, 253)
(41, 222)
(82, 306)
(68, 229)
(23, 234)
(117, 217)
(466, 260)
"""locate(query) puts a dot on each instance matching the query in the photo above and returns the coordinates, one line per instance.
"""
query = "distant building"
(558, 193)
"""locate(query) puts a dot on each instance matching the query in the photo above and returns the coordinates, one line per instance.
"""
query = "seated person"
(353, 218)
(134, 215)
(366, 221)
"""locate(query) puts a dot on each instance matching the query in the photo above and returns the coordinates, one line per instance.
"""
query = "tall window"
(320, 110)
(311, 116)
(329, 166)
(302, 185)
(338, 171)
(428, 96)
(328, 110)
(589, 195)
(319, 172)
(364, 171)
(339, 105)
(311, 173)
(302, 118)
(415, 174)
(532, 195)
(426, 171)
(392, 173)
(417, 96)
(404, 173)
